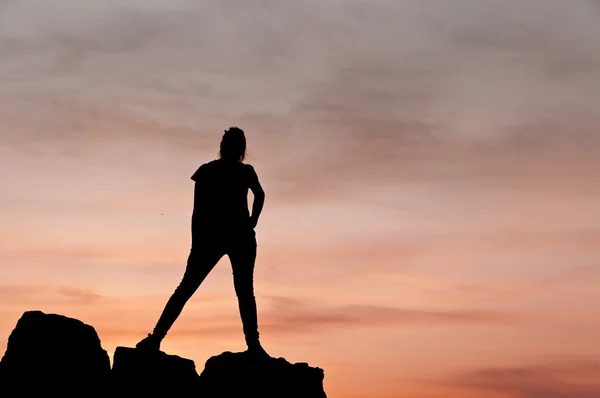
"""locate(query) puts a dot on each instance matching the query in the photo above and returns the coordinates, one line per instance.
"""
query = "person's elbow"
(259, 194)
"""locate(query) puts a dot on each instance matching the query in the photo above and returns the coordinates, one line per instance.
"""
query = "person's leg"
(242, 255)
(200, 262)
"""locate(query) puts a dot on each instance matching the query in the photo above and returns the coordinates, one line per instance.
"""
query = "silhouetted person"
(221, 225)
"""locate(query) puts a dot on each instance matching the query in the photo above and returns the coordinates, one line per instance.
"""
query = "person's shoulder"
(249, 168)
(202, 169)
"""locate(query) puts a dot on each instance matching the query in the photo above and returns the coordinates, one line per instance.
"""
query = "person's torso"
(222, 204)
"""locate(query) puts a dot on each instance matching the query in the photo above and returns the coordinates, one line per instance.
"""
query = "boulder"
(137, 371)
(239, 375)
(55, 354)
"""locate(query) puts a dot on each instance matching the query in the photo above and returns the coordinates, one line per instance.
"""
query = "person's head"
(233, 145)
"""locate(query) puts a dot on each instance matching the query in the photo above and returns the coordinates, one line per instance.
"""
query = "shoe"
(150, 343)
(256, 351)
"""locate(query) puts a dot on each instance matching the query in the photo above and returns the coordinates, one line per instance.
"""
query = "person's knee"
(245, 291)
(186, 289)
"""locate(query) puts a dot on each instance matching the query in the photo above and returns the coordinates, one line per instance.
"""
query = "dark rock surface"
(140, 371)
(49, 354)
(53, 353)
(238, 375)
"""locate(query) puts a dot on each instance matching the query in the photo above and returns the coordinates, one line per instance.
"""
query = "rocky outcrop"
(56, 355)
(53, 353)
(239, 375)
(137, 371)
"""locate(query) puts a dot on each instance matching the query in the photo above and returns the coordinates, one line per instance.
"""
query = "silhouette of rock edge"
(239, 375)
(51, 353)
(138, 371)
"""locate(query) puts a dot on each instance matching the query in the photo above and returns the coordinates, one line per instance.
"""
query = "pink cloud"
(571, 379)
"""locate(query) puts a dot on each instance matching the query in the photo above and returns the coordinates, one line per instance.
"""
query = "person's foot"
(150, 343)
(257, 351)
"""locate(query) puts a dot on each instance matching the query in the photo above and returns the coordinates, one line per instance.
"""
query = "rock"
(138, 371)
(238, 375)
(54, 353)
(49, 354)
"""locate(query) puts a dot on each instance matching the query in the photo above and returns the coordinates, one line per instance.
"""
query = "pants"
(204, 255)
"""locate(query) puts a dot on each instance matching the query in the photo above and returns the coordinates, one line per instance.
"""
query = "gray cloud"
(472, 66)
(333, 94)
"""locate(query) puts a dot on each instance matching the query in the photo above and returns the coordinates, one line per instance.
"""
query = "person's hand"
(252, 223)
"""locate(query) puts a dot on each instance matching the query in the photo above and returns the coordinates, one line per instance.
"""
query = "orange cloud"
(283, 316)
(298, 317)
(570, 379)
(85, 295)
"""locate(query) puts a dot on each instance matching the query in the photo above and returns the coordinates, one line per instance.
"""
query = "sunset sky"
(431, 167)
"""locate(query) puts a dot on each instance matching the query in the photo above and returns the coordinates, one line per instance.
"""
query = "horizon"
(431, 169)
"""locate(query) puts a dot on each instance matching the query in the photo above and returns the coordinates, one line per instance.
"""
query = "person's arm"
(196, 205)
(259, 197)
(198, 188)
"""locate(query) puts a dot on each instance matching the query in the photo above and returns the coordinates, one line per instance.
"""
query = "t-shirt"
(221, 196)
